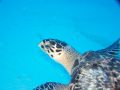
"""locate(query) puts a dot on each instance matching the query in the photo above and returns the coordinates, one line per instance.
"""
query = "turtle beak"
(41, 45)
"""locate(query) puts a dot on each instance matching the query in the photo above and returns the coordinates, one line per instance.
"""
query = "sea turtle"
(94, 70)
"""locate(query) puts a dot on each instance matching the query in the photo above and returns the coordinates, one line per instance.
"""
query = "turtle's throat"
(68, 58)
(68, 65)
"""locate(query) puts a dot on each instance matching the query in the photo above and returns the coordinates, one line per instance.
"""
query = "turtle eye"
(47, 46)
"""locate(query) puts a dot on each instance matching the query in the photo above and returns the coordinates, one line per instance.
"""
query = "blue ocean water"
(84, 24)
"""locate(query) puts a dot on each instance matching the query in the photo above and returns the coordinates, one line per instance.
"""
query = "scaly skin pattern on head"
(61, 52)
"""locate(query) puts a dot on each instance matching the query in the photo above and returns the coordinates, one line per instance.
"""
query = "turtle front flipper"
(111, 51)
(52, 86)
(111, 56)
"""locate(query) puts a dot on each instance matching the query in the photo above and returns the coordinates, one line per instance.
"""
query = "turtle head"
(52, 47)
(59, 51)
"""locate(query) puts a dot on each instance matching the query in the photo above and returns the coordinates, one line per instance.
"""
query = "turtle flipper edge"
(111, 51)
